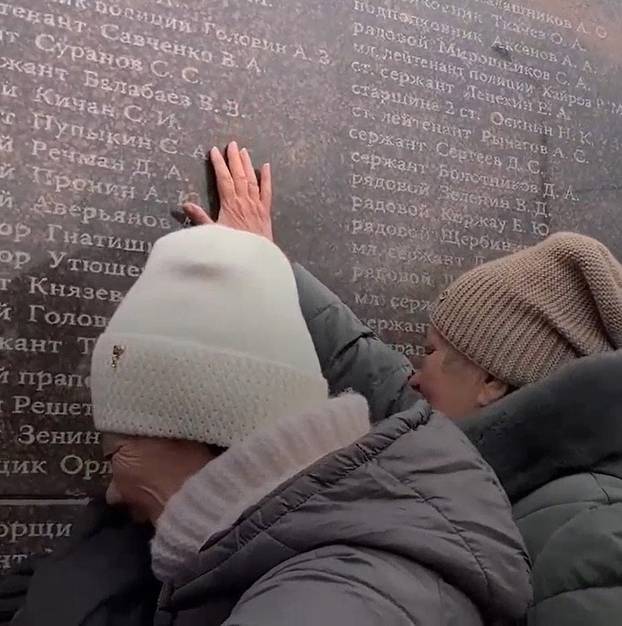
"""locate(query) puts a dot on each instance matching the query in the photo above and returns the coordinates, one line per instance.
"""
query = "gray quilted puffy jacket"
(556, 447)
(407, 526)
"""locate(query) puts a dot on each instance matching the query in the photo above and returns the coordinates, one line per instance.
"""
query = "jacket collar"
(570, 422)
(105, 564)
(212, 500)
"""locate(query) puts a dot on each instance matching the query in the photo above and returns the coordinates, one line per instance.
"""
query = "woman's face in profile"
(147, 472)
(130, 466)
(448, 381)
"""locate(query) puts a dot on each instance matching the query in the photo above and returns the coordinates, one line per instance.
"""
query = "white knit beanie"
(208, 345)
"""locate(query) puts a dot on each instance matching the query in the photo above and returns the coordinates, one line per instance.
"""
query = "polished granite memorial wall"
(410, 140)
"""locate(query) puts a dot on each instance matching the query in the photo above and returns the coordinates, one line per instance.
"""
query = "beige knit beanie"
(208, 345)
(523, 316)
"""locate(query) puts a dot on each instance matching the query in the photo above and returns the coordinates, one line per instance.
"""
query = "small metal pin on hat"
(117, 353)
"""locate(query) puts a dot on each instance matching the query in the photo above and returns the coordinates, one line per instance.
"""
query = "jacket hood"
(413, 488)
(568, 423)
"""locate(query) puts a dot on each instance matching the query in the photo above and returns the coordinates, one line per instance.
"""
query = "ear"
(492, 389)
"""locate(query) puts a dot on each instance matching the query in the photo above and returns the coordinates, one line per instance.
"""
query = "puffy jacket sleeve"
(349, 587)
(351, 355)
(574, 533)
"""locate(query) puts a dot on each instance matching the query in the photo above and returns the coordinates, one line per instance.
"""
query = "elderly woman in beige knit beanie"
(528, 346)
(524, 354)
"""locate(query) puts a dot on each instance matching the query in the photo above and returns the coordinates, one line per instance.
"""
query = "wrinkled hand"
(245, 203)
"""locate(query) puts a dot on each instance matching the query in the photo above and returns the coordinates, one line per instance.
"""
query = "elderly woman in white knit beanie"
(272, 503)
(524, 353)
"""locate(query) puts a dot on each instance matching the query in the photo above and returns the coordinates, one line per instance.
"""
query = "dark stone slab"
(34, 528)
(408, 144)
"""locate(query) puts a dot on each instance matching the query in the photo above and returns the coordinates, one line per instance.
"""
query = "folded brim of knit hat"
(155, 386)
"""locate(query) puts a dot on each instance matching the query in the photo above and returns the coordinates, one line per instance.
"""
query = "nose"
(113, 496)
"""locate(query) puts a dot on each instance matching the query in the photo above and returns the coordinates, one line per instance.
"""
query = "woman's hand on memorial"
(245, 202)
